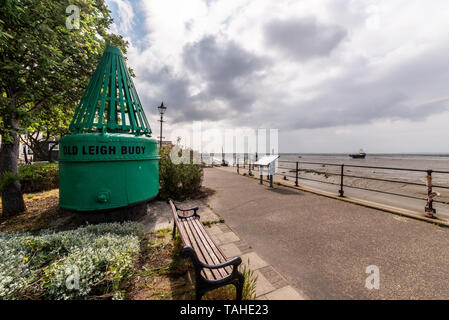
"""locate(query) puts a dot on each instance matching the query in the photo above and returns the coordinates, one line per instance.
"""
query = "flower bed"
(70, 264)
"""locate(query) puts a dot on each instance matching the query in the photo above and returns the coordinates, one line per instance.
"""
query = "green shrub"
(39, 177)
(101, 254)
(8, 178)
(178, 181)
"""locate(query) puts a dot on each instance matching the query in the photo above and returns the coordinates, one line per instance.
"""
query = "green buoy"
(110, 160)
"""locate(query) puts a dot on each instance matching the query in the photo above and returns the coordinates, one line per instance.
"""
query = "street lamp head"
(162, 108)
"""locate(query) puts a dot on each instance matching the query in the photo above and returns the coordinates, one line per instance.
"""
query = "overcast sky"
(332, 76)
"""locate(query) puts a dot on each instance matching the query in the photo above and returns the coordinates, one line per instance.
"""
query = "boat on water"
(360, 155)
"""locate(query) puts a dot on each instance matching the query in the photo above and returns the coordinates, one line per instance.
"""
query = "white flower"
(102, 252)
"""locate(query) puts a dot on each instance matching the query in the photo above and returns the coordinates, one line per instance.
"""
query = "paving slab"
(225, 238)
(263, 286)
(275, 278)
(243, 246)
(253, 261)
(231, 250)
(214, 230)
(284, 293)
(160, 216)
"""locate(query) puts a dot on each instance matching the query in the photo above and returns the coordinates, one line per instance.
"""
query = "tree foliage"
(44, 69)
(44, 64)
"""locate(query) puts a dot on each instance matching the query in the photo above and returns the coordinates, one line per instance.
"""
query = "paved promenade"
(321, 247)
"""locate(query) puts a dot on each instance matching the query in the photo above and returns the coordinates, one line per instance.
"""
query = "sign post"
(270, 163)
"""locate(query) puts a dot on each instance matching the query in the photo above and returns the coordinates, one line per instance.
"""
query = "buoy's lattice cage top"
(110, 102)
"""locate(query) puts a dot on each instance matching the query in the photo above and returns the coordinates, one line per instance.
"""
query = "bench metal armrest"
(191, 209)
(189, 252)
(236, 261)
(194, 214)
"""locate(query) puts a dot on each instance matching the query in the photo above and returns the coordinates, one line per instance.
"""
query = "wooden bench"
(212, 268)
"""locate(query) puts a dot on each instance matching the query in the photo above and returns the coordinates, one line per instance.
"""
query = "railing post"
(261, 174)
(297, 173)
(238, 171)
(430, 211)
(341, 191)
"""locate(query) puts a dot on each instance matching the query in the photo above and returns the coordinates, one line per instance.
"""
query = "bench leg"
(198, 294)
(239, 286)
(174, 230)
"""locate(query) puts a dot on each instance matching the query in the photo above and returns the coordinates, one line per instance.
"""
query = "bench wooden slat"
(186, 239)
(206, 250)
(196, 245)
(217, 255)
(208, 274)
(185, 235)
(216, 259)
(214, 249)
(188, 242)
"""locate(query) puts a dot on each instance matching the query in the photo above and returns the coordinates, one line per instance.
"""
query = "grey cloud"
(353, 13)
(174, 91)
(216, 61)
(412, 89)
(162, 85)
(230, 75)
(235, 90)
(303, 38)
(188, 25)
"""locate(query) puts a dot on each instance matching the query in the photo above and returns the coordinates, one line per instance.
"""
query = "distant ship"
(360, 155)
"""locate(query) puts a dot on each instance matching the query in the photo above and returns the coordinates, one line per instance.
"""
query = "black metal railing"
(245, 164)
(341, 170)
(429, 209)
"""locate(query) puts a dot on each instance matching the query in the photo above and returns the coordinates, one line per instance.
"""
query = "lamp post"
(161, 109)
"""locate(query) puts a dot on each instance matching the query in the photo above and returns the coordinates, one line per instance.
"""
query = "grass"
(211, 223)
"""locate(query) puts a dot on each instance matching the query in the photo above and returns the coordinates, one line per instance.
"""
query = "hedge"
(178, 181)
(34, 178)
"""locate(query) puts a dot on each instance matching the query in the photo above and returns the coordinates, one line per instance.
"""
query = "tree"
(48, 126)
(43, 65)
